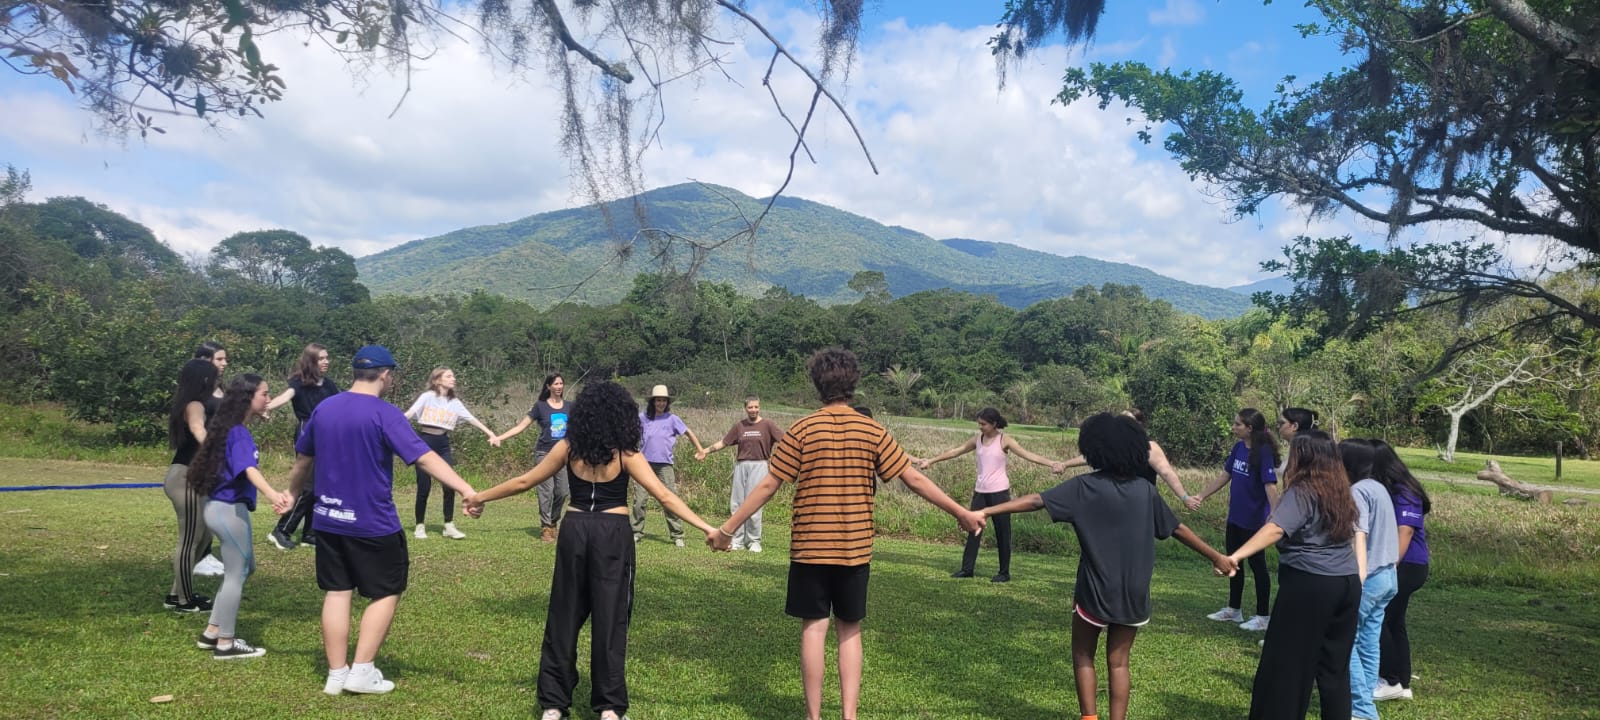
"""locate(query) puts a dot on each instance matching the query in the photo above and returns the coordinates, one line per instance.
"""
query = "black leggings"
(1002, 532)
(439, 444)
(1237, 537)
(1394, 654)
(301, 512)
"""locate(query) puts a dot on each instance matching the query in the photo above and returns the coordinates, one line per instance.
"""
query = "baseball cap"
(373, 356)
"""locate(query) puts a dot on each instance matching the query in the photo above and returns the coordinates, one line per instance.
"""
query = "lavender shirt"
(358, 436)
(232, 486)
(659, 436)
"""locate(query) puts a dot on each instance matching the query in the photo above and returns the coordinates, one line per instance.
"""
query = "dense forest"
(97, 314)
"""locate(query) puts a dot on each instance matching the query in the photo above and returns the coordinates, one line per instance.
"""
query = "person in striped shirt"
(834, 457)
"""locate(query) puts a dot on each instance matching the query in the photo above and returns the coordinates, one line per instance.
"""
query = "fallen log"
(1517, 489)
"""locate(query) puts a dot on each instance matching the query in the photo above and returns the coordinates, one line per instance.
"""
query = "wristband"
(724, 532)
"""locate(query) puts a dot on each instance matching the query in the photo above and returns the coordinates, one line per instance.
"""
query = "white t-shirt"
(433, 410)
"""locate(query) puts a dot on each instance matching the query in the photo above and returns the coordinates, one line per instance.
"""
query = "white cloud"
(1178, 12)
(473, 144)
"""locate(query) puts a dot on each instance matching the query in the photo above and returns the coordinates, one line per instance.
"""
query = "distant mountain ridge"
(810, 248)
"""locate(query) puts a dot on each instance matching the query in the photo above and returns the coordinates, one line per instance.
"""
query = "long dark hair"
(306, 369)
(1315, 468)
(207, 350)
(1356, 454)
(650, 407)
(234, 410)
(1261, 442)
(544, 393)
(993, 417)
(1389, 469)
(195, 382)
(603, 421)
(1302, 418)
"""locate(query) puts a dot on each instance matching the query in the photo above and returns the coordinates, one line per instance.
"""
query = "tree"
(902, 380)
(282, 259)
(1187, 393)
(1454, 114)
(1481, 377)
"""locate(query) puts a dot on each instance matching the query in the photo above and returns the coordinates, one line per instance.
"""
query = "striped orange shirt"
(834, 456)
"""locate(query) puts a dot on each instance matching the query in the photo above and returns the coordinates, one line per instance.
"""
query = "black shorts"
(817, 591)
(377, 567)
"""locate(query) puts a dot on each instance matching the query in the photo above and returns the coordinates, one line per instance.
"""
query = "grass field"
(1508, 625)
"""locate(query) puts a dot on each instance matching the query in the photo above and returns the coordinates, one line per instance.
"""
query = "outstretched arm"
(639, 469)
(950, 454)
(282, 399)
(970, 520)
(1016, 448)
(1222, 564)
(763, 491)
(1026, 503)
(280, 502)
(517, 430)
(1158, 461)
(551, 464)
(1214, 486)
(698, 448)
(1267, 535)
(435, 465)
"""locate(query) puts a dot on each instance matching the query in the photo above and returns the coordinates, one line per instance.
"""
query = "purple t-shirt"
(359, 436)
(232, 486)
(659, 435)
(1247, 494)
(1408, 512)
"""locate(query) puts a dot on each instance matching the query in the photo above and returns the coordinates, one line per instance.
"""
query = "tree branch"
(559, 26)
(1563, 41)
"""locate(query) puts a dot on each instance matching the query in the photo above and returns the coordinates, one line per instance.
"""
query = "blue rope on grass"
(100, 486)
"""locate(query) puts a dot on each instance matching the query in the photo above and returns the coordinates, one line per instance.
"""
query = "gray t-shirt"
(1118, 521)
(1305, 545)
(1375, 517)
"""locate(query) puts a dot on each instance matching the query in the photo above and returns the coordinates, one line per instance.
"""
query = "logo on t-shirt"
(558, 425)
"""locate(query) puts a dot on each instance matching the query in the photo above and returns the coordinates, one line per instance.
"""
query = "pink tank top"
(991, 466)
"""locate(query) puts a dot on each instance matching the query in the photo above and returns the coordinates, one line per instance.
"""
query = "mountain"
(810, 248)
(1279, 285)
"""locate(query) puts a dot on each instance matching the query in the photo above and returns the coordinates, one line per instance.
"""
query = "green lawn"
(1508, 627)
(1539, 471)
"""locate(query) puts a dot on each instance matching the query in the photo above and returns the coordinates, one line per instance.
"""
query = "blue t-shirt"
(355, 438)
(1247, 493)
(552, 423)
(240, 453)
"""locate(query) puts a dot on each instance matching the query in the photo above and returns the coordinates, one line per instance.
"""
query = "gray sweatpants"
(669, 478)
(552, 494)
(746, 473)
(193, 537)
(230, 522)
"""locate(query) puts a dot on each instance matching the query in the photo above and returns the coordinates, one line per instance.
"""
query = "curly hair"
(1317, 470)
(604, 420)
(235, 409)
(195, 382)
(834, 373)
(1115, 444)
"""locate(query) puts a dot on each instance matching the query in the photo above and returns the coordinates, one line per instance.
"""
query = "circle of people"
(1348, 524)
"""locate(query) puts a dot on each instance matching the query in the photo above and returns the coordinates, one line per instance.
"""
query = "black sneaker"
(239, 649)
(170, 602)
(205, 643)
(281, 540)
(197, 603)
(1001, 577)
(308, 540)
(961, 574)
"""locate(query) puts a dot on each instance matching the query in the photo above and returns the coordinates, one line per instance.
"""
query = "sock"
(361, 668)
(224, 643)
(209, 635)
(339, 673)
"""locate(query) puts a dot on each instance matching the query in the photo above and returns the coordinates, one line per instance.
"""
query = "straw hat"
(659, 391)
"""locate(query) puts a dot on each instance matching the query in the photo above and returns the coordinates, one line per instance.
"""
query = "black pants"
(301, 512)
(1002, 532)
(1313, 628)
(439, 444)
(1237, 537)
(1394, 654)
(593, 576)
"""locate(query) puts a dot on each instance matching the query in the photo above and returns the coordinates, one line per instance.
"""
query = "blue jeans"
(1376, 593)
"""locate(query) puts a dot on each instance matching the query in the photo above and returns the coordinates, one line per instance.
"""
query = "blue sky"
(473, 143)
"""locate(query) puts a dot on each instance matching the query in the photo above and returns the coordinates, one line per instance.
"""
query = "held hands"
(718, 540)
(924, 464)
(472, 506)
(700, 455)
(494, 441)
(1193, 503)
(281, 502)
(972, 521)
(1226, 566)
(1058, 467)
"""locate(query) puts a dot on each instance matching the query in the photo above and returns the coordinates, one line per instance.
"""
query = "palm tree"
(902, 380)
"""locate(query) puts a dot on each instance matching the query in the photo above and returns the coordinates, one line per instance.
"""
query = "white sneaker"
(208, 566)
(335, 683)
(451, 532)
(1226, 614)
(1385, 691)
(422, 532)
(552, 714)
(1255, 624)
(368, 683)
(678, 542)
(738, 546)
(755, 547)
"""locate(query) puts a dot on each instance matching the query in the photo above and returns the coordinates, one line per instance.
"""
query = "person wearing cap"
(347, 448)
(660, 430)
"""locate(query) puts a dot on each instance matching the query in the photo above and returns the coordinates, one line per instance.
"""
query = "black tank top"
(598, 496)
(186, 450)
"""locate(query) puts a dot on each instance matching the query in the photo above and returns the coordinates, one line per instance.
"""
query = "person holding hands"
(754, 436)
(437, 411)
(550, 411)
(1158, 466)
(990, 447)
(834, 457)
(660, 430)
(594, 565)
